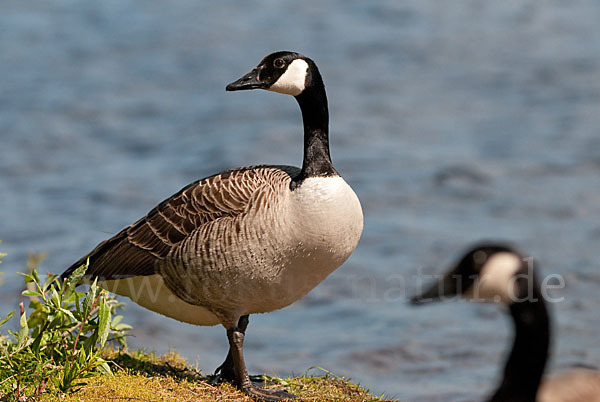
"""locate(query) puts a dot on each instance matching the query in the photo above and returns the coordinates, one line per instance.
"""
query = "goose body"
(262, 258)
(245, 241)
(500, 274)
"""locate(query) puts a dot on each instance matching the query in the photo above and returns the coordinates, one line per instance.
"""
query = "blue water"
(453, 122)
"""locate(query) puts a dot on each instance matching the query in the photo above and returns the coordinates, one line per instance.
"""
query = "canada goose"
(244, 241)
(498, 273)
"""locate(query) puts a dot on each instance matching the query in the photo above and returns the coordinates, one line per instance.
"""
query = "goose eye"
(279, 63)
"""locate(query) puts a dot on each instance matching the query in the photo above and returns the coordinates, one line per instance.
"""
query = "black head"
(284, 72)
(484, 273)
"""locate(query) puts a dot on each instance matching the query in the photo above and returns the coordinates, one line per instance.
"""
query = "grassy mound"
(141, 376)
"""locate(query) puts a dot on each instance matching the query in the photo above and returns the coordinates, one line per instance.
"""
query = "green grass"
(62, 352)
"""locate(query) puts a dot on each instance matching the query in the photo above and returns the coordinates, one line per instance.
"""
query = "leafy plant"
(58, 346)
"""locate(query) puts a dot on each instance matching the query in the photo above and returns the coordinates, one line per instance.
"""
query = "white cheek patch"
(496, 281)
(292, 82)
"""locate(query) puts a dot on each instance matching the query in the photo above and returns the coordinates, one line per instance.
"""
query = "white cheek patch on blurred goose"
(293, 81)
(495, 282)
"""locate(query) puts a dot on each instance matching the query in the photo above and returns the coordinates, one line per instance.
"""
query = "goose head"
(486, 273)
(284, 72)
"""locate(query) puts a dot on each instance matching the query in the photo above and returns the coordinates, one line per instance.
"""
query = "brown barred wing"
(136, 249)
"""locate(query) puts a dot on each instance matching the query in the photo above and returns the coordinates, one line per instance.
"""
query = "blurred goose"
(244, 241)
(498, 273)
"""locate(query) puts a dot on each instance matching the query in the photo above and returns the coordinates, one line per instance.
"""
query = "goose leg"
(225, 371)
(242, 381)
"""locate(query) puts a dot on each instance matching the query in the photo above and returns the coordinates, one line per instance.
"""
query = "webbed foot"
(267, 395)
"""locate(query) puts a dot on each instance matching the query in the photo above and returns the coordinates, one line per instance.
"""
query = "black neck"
(315, 116)
(525, 365)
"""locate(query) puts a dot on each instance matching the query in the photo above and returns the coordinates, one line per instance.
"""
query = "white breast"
(328, 212)
(327, 223)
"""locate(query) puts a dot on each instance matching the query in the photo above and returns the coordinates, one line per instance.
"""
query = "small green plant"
(58, 345)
